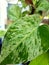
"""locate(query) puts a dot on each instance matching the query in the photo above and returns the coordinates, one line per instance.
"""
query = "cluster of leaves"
(25, 40)
(15, 12)
(40, 5)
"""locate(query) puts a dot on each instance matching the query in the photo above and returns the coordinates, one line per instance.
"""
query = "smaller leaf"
(44, 35)
(43, 59)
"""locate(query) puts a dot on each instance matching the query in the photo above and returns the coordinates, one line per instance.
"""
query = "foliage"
(42, 59)
(43, 5)
(14, 12)
(40, 5)
(24, 40)
(16, 40)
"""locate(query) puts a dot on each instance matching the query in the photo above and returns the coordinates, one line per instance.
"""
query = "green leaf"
(43, 59)
(14, 12)
(22, 41)
(44, 35)
(43, 5)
